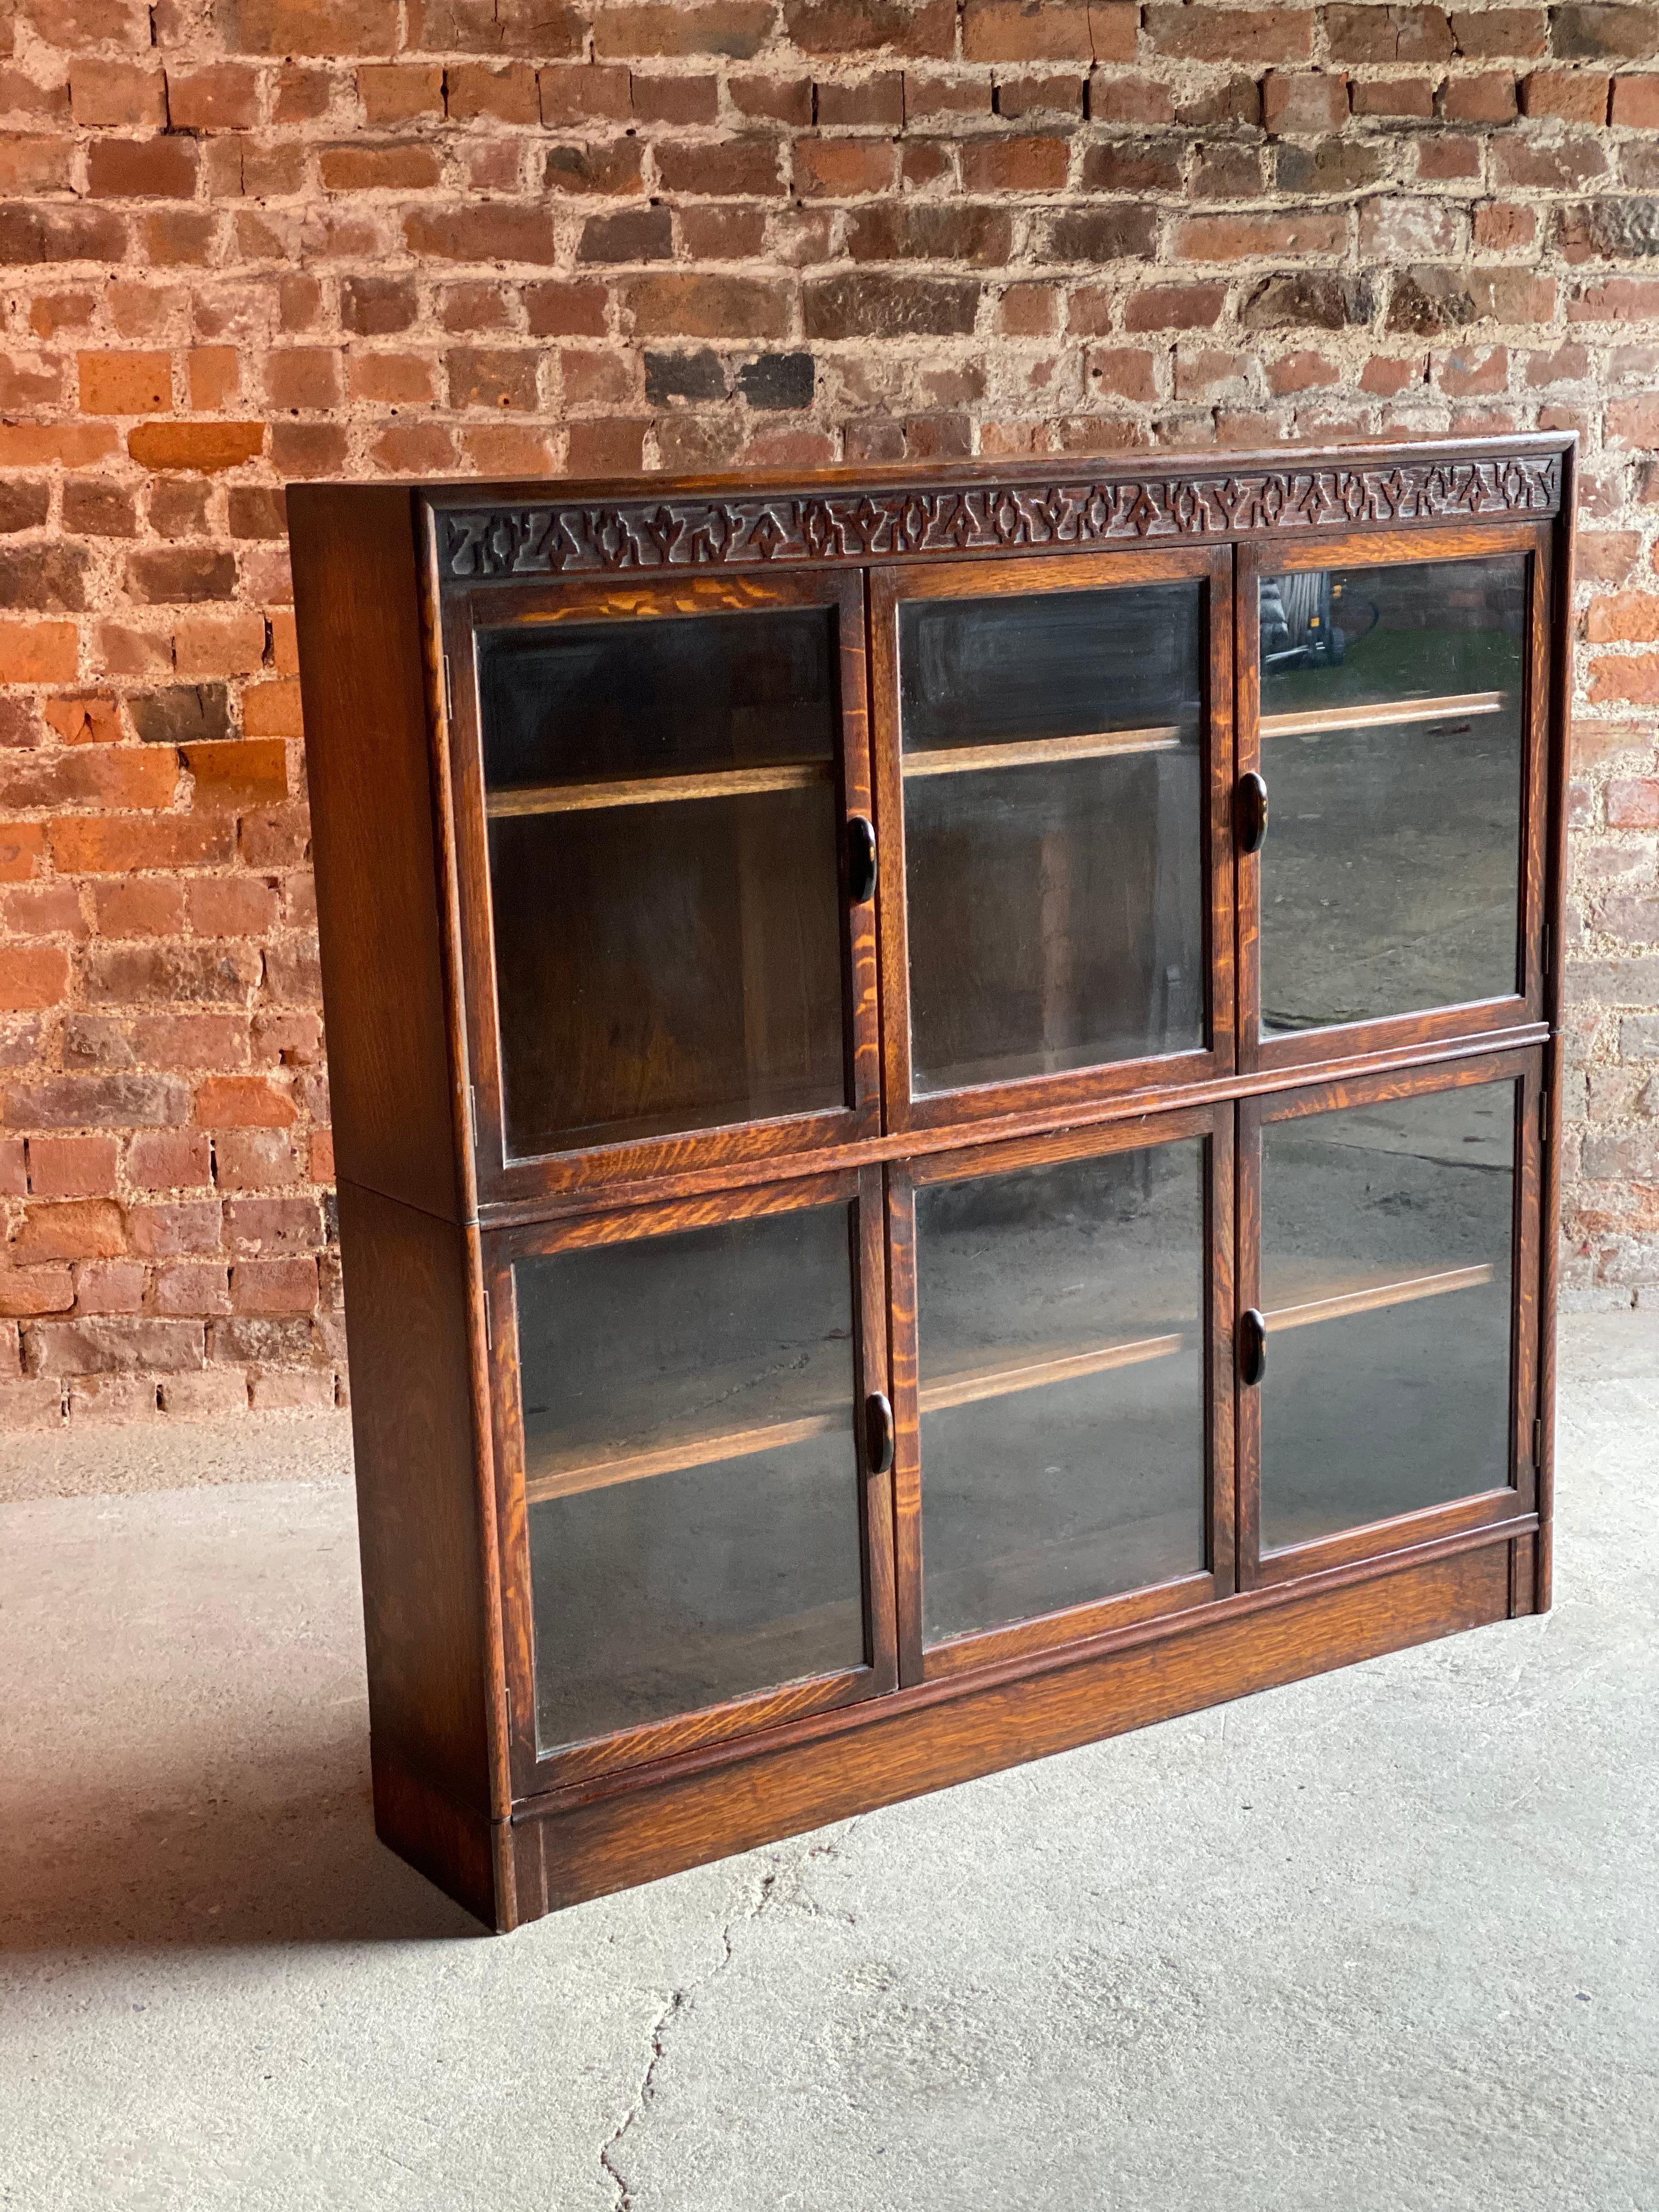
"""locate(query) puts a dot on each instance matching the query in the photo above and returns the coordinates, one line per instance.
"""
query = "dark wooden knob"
(1250, 811)
(877, 1433)
(860, 859)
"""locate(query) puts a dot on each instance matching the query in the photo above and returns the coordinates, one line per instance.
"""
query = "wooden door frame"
(1517, 1503)
(1212, 1126)
(860, 1191)
(1402, 546)
(585, 1173)
(974, 578)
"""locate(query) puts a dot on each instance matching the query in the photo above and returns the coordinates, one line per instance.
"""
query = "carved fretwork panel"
(777, 527)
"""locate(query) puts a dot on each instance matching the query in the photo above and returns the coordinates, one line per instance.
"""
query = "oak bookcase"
(945, 1099)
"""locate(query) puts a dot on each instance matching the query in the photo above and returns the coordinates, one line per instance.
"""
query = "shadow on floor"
(263, 1855)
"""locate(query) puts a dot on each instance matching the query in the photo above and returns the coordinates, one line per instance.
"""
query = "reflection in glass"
(1386, 1240)
(1052, 824)
(663, 856)
(690, 1468)
(1392, 741)
(1061, 1382)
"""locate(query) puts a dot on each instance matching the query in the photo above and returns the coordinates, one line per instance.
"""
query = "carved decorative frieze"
(776, 528)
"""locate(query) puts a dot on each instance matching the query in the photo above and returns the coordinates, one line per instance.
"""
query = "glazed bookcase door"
(666, 862)
(1394, 699)
(1062, 1385)
(1389, 1280)
(1054, 740)
(696, 1539)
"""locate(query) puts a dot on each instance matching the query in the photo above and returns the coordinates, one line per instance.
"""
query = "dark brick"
(1426, 302)
(1308, 299)
(920, 230)
(188, 713)
(96, 1102)
(778, 380)
(1098, 234)
(1334, 165)
(1606, 33)
(376, 306)
(29, 235)
(670, 376)
(866, 304)
(95, 509)
(181, 576)
(23, 506)
(644, 234)
(258, 511)
(43, 579)
(1618, 230)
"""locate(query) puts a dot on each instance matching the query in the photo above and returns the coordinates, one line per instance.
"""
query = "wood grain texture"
(581, 1174)
(357, 609)
(427, 1601)
(592, 1847)
(401, 821)
(1389, 714)
(1039, 752)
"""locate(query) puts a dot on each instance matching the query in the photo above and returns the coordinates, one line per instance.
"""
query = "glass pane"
(1060, 1312)
(1052, 831)
(1392, 742)
(1386, 1239)
(663, 835)
(690, 1468)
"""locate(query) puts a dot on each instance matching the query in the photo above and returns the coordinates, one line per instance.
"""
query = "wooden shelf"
(565, 1480)
(1376, 1296)
(569, 1479)
(658, 790)
(968, 1390)
(1036, 752)
(1384, 714)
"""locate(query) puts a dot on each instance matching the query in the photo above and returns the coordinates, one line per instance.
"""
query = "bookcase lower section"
(608, 1835)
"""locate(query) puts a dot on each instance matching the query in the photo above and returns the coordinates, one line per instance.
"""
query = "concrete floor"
(1385, 1941)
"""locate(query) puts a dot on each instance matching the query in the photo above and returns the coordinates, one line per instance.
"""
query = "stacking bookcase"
(945, 1098)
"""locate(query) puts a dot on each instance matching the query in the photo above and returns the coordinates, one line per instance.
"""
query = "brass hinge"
(1544, 1113)
(449, 692)
(1538, 1442)
(472, 1111)
(1547, 948)
(489, 1325)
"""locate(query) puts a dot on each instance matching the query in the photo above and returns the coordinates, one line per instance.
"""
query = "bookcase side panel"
(426, 1538)
(375, 843)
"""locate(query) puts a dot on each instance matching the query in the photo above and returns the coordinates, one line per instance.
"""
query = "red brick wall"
(296, 238)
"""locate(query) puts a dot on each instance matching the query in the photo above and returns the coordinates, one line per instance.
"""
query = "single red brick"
(32, 976)
(244, 1102)
(1631, 680)
(105, 93)
(1636, 103)
(408, 168)
(142, 169)
(109, 1287)
(22, 847)
(843, 168)
(1014, 165)
(27, 1291)
(74, 1229)
(1255, 35)
(222, 96)
(170, 1160)
(192, 1286)
(71, 1167)
(397, 92)
(1576, 95)
(507, 95)
(1487, 98)
(274, 1286)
